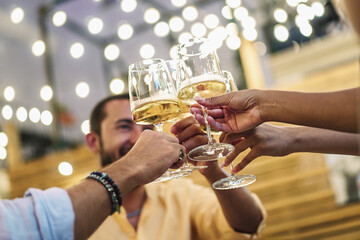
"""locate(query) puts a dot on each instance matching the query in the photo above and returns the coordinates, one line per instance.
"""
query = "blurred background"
(59, 58)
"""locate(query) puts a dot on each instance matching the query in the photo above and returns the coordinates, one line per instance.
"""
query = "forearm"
(92, 203)
(330, 110)
(307, 139)
(239, 208)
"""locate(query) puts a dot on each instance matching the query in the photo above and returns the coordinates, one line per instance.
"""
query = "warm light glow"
(128, 5)
(77, 50)
(46, 93)
(34, 115)
(233, 3)
(46, 118)
(9, 93)
(261, 48)
(292, 3)
(85, 127)
(147, 51)
(306, 30)
(250, 34)
(161, 29)
(248, 22)
(232, 29)
(3, 139)
(38, 48)
(280, 15)
(3, 153)
(7, 112)
(190, 13)
(318, 9)
(241, 13)
(151, 15)
(176, 24)
(173, 52)
(21, 114)
(82, 89)
(17, 15)
(59, 18)
(111, 52)
(226, 12)
(211, 21)
(125, 31)
(281, 33)
(305, 11)
(233, 42)
(184, 37)
(178, 3)
(117, 86)
(198, 30)
(95, 25)
(65, 168)
(301, 20)
(219, 34)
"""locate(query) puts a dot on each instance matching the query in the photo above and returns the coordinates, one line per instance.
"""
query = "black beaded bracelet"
(111, 187)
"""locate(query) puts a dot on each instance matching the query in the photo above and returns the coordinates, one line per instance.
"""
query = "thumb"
(213, 101)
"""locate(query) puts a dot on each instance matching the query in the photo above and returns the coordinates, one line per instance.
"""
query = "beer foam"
(202, 78)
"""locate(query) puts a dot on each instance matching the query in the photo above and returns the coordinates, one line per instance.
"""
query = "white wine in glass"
(201, 76)
(233, 181)
(153, 99)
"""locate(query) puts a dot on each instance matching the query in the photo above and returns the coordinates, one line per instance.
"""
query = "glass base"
(211, 152)
(170, 174)
(234, 182)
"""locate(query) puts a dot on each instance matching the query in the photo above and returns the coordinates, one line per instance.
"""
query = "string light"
(125, 31)
(173, 52)
(46, 118)
(95, 25)
(184, 37)
(77, 50)
(147, 51)
(190, 13)
(161, 29)
(38, 48)
(59, 18)
(151, 15)
(281, 33)
(318, 9)
(211, 21)
(82, 89)
(3, 139)
(226, 12)
(233, 3)
(3, 153)
(9, 93)
(46, 93)
(117, 86)
(65, 168)
(34, 115)
(233, 42)
(85, 127)
(128, 5)
(178, 3)
(21, 114)
(280, 15)
(176, 24)
(198, 30)
(241, 13)
(7, 112)
(111, 52)
(17, 15)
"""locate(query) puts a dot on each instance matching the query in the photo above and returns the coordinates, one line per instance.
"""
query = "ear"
(92, 140)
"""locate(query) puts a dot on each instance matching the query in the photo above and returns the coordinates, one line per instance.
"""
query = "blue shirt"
(39, 215)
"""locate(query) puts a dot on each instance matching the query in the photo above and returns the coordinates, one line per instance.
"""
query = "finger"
(168, 137)
(213, 101)
(190, 131)
(234, 138)
(182, 124)
(245, 161)
(214, 124)
(239, 148)
(222, 136)
(194, 142)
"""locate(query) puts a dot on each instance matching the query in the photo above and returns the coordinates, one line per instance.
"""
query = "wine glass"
(200, 75)
(233, 181)
(184, 110)
(153, 99)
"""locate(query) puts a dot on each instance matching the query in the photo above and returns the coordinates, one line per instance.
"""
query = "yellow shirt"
(175, 210)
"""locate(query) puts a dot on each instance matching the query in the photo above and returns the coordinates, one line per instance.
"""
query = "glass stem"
(232, 174)
(208, 129)
(159, 127)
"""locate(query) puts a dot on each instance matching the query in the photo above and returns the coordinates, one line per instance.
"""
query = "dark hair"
(98, 114)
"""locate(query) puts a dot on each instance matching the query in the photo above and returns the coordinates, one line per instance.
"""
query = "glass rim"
(138, 63)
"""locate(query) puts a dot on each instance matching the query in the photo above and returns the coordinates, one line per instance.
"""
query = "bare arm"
(269, 140)
(238, 206)
(330, 110)
(141, 165)
(240, 111)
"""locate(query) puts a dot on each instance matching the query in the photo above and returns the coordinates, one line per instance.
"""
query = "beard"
(109, 157)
